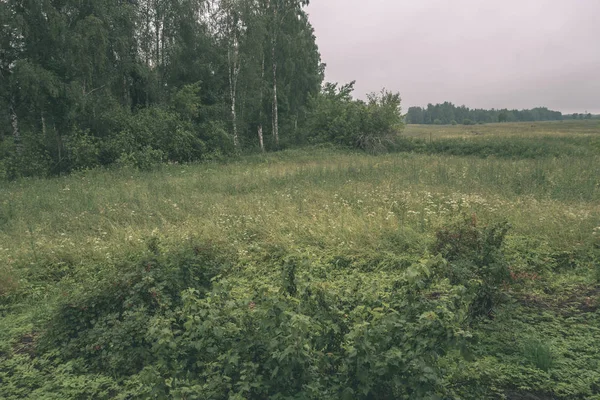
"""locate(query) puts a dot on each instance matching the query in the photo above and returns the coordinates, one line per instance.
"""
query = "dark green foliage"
(340, 119)
(104, 327)
(270, 345)
(137, 83)
(538, 353)
(179, 324)
(512, 148)
(476, 260)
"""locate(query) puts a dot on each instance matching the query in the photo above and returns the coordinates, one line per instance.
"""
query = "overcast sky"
(481, 53)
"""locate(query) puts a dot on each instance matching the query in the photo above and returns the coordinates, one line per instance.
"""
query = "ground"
(348, 221)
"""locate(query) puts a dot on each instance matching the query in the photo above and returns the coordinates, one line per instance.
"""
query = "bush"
(106, 325)
(144, 159)
(476, 261)
(539, 354)
(454, 122)
(336, 117)
(304, 342)
(8, 282)
(468, 122)
(83, 150)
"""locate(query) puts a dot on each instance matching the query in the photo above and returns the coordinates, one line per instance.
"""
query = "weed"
(538, 354)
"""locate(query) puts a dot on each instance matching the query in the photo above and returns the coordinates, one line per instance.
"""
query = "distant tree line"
(580, 116)
(448, 113)
(96, 83)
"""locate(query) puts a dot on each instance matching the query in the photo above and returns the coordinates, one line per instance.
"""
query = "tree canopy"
(87, 83)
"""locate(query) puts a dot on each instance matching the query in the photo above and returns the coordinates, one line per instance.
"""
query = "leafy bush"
(272, 344)
(153, 134)
(104, 325)
(144, 159)
(476, 261)
(31, 158)
(8, 281)
(337, 118)
(83, 150)
(468, 122)
(539, 354)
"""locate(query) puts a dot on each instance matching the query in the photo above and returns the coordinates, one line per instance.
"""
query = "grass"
(337, 203)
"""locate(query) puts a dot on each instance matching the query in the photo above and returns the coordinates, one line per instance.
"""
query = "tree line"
(86, 83)
(448, 113)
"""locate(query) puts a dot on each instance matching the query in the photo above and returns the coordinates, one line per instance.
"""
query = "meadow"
(313, 273)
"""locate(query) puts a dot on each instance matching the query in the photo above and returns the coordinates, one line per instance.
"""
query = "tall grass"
(304, 196)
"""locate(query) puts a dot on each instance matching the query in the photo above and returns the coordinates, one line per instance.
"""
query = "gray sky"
(481, 53)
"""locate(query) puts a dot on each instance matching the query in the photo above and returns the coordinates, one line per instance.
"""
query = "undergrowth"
(313, 274)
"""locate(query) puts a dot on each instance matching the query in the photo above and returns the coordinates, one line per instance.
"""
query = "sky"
(480, 53)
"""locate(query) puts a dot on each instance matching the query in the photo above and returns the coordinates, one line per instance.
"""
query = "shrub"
(144, 159)
(83, 150)
(337, 118)
(476, 261)
(539, 354)
(8, 282)
(305, 343)
(105, 324)
(468, 122)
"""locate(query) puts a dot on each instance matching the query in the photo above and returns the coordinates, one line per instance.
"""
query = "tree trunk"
(43, 124)
(14, 120)
(260, 112)
(236, 141)
(275, 107)
(260, 138)
(234, 71)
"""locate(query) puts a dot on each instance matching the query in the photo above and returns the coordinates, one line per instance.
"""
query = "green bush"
(155, 132)
(539, 354)
(476, 261)
(309, 344)
(104, 326)
(8, 282)
(83, 150)
(336, 117)
(144, 159)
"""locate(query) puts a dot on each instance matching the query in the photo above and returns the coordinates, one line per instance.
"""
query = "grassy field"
(356, 222)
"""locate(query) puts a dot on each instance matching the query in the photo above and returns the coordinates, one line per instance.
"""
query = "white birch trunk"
(275, 106)
(260, 113)
(260, 138)
(43, 124)
(14, 121)
(233, 56)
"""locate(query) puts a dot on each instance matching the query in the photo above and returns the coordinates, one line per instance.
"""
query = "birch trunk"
(233, 57)
(14, 121)
(260, 113)
(275, 106)
(43, 124)
(260, 138)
